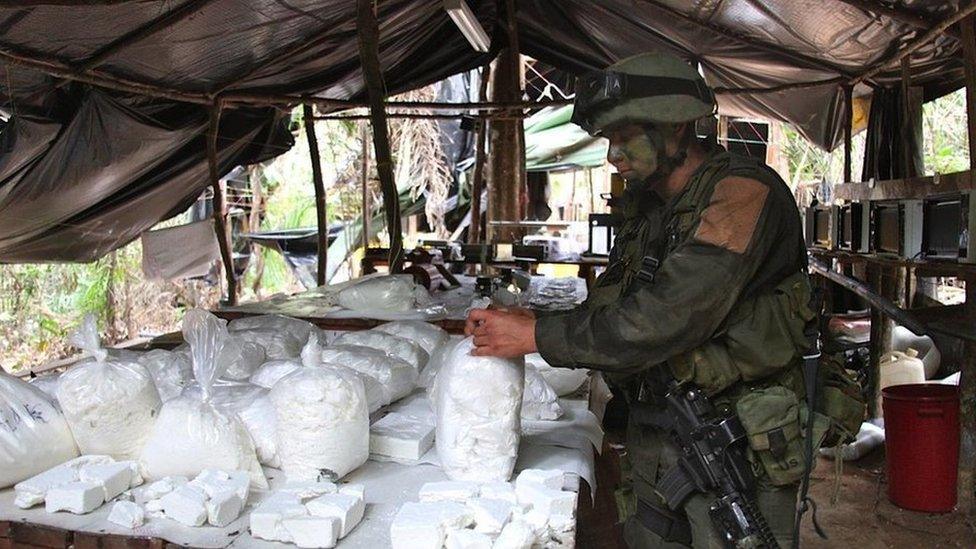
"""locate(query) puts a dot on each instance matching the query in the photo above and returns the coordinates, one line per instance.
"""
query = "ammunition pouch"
(670, 526)
(773, 418)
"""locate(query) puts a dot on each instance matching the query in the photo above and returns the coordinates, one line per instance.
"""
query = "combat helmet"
(643, 89)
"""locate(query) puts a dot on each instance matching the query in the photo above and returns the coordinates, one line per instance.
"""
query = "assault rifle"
(713, 460)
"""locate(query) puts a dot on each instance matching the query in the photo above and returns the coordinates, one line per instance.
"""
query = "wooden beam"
(321, 217)
(478, 176)
(220, 206)
(969, 62)
(848, 121)
(907, 51)
(364, 132)
(915, 19)
(750, 41)
(369, 54)
(906, 117)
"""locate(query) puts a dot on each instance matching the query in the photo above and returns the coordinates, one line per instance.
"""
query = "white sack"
(539, 401)
(259, 420)
(425, 334)
(564, 381)
(477, 401)
(49, 384)
(240, 356)
(34, 436)
(392, 293)
(110, 404)
(392, 345)
(171, 372)
(323, 423)
(273, 370)
(396, 377)
(429, 373)
(295, 328)
(192, 434)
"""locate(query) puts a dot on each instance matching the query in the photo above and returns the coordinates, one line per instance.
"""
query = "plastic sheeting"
(83, 172)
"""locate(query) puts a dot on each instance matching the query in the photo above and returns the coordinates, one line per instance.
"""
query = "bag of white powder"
(396, 377)
(110, 404)
(192, 434)
(425, 334)
(476, 402)
(392, 345)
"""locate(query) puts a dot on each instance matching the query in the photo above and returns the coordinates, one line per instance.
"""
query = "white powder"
(384, 293)
(397, 377)
(110, 404)
(564, 381)
(192, 433)
(476, 405)
(323, 423)
(392, 345)
(259, 420)
(425, 334)
(33, 434)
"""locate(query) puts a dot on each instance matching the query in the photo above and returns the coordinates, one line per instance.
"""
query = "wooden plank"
(86, 540)
(219, 188)
(321, 217)
(22, 533)
(369, 54)
(478, 177)
(364, 175)
(904, 189)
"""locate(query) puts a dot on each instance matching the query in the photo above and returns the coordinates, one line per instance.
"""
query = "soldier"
(706, 284)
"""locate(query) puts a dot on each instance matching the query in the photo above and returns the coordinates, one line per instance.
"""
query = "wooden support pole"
(969, 56)
(364, 133)
(221, 226)
(478, 175)
(369, 51)
(906, 118)
(322, 220)
(848, 131)
(967, 382)
(890, 284)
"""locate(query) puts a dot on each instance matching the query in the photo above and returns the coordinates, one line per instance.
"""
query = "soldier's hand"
(501, 333)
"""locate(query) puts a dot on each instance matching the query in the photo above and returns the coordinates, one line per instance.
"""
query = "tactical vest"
(751, 364)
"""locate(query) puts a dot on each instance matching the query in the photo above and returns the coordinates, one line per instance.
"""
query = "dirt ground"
(862, 516)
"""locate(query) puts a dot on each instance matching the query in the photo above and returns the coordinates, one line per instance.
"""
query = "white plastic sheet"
(564, 381)
(110, 404)
(539, 401)
(192, 433)
(477, 401)
(33, 434)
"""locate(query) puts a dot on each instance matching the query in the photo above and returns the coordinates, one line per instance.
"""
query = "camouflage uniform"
(726, 309)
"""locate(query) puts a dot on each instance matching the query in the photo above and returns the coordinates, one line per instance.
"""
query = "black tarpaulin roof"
(85, 169)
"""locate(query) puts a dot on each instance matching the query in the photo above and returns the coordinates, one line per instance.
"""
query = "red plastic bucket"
(922, 445)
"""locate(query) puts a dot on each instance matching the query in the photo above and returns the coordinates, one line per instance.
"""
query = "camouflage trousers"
(650, 452)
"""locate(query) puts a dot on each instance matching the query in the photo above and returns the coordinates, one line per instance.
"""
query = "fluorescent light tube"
(468, 24)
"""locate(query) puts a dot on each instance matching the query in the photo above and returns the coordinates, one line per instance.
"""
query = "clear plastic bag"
(34, 436)
(192, 433)
(272, 371)
(396, 377)
(429, 373)
(425, 334)
(110, 404)
(564, 381)
(392, 345)
(295, 328)
(539, 401)
(241, 356)
(322, 423)
(477, 402)
(392, 293)
(171, 372)
(49, 384)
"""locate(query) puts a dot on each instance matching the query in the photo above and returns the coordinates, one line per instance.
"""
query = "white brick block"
(223, 508)
(127, 514)
(545, 500)
(306, 490)
(313, 532)
(212, 482)
(114, 478)
(157, 489)
(499, 490)
(562, 523)
(357, 490)
(185, 505)
(349, 509)
(400, 436)
(515, 535)
(266, 519)
(467, 539)
(490, 515)
(449, 490)
(424, 525)
(546, 478)
(75, 497)
(31, 492)
(538, 522)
